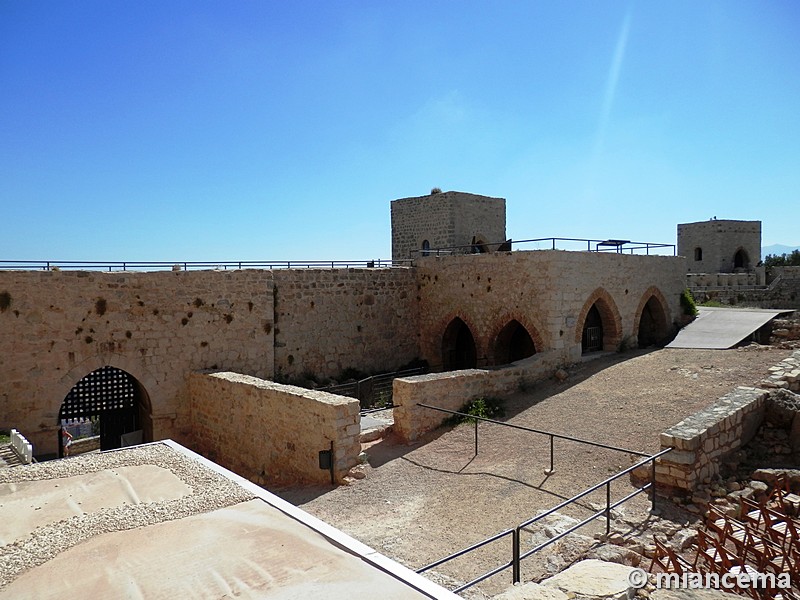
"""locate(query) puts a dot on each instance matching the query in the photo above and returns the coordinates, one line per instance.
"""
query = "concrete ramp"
(721, 328)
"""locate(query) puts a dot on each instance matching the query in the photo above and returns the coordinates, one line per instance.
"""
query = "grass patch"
(5, 437)
(714, 304)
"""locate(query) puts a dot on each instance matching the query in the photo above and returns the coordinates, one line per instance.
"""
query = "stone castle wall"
(272, 433)
(549, 292)
(58, 326)
(719, 241)
(327, 321)
(444, 220)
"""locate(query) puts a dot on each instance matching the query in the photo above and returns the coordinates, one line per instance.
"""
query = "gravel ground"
(421, 502)
(210, 491)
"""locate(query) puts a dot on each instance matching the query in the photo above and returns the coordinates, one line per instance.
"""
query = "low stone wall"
(786, 374)
(269, 432)
(782, 290)
(453, 389)
(84, 445)
(727, 280)
(701, 440)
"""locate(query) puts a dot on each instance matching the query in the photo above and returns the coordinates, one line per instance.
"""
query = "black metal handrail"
(50, 265)
(516, 555)
(607, 245)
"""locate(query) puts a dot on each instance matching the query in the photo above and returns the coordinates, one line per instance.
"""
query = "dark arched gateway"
(741, 260)
(458, 347)
(592, 339)
(513, 343)
(115, 401)
(653, 327)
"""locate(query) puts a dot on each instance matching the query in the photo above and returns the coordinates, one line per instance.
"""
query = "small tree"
(436, 190)
(783, 260)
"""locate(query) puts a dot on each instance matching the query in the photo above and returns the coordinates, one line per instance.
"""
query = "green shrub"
(486, 408)
(687, 303)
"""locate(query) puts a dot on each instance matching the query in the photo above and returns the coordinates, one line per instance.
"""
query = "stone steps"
(8, 458)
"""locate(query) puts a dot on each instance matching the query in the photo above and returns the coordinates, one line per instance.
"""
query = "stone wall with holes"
(58, 326)
(444, 220)
(330, 320)
(703, 439)
(269, 432)
(549, 292)
(453, 389)
(718, 242)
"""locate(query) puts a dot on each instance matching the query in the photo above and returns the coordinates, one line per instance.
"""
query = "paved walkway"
(722, 328)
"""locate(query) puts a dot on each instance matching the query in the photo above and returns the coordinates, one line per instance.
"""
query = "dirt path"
(421, 502)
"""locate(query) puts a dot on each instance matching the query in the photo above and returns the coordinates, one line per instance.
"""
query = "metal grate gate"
(100, 391)
(110, 394)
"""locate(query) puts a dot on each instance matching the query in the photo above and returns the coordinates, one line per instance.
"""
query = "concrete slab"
(159, 521)
(722, 328)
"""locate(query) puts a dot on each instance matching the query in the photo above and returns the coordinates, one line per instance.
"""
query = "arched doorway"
(479, 245)
(653, 328)
(116, 405)
(513, 343)
(458, 347)
(741, 260)
(592, 339)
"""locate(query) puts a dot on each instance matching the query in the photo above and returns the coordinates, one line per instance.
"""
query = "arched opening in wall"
(513, 343)
(592, 339)
(653, 326)
(426, 248)
(109, 404)
(698, 253)
(479, 245)
(741, 260)
(458, 347)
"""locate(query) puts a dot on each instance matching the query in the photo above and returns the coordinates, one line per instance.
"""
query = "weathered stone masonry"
(329, 320)
(547, 291)
(61, 325)
(270, 432)
(57, 327)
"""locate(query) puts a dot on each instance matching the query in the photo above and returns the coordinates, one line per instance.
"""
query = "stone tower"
(445, 220)
(724, 246)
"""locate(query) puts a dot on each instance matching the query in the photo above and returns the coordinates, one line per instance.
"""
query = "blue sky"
(164, 130)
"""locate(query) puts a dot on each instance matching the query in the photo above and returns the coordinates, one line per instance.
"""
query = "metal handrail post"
(552, 468)
(608, 508)
(515, 560)
(476, 437)
(653, 485)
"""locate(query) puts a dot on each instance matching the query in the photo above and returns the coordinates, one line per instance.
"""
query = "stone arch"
(652, 318)
(608, 313)
(144, 383)
(426, 247)
(479, 244)
(698, 253)
(496, 354)
(459, 348)
(741, 260)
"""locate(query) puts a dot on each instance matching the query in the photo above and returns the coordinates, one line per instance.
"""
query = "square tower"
(446, 220)
(724, 246)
